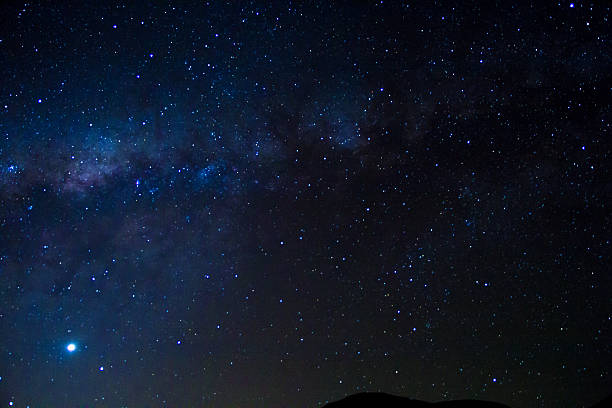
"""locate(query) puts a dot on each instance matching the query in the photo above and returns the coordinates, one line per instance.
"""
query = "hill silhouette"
(380, 399)
(605, 403)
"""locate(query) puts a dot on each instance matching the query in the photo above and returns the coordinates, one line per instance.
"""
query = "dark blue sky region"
(269, 204)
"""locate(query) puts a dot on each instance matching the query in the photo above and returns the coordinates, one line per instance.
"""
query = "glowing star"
(71, 347)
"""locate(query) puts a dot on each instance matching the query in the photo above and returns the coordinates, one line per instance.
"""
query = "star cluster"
(284, 203)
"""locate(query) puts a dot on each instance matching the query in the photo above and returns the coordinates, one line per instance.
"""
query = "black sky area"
(273, 204)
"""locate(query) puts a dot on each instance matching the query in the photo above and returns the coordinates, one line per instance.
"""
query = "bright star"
(71, 347)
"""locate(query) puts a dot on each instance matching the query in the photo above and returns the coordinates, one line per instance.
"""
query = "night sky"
(253, 204)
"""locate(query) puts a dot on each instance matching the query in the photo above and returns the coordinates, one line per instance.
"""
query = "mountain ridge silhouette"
(381, 399)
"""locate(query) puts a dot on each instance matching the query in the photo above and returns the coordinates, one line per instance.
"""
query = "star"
(71, 347)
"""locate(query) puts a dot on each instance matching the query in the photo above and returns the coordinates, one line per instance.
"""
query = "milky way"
(237, 204)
